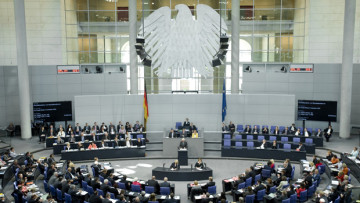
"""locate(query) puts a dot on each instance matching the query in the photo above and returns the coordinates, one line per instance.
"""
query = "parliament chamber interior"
(164, 101)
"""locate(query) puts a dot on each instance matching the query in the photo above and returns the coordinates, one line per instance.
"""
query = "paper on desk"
(357, 161)
(241, 190)
(299, 180)
(163, 197)
(177, 197)
(3, 168)
(334, 182)
(131, 193)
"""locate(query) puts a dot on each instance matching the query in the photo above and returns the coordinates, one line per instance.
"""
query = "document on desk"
(334, 182)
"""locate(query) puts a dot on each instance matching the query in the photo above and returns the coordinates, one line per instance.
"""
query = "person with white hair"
(105, 186)
(136, 182)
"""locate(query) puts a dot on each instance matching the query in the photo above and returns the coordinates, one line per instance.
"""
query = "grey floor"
(222, 167)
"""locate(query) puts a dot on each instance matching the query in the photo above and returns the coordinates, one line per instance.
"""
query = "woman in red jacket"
(300, 189)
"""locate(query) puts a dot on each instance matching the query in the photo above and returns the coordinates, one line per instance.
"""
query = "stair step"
(212, 142)
(212, 154)
(154, 142)
(212, 149)
(156, 149)
(154, 153)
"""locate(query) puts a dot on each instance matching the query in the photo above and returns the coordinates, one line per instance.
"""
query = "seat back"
(59, 195)
(265, 173)
(240, 128)
(90, 190)
(258, 127)
(249, 137)
(135, 188)
(273, 189)
(141, 136)
(227, 136)
(303, 196)
(16, 198)
(260, 195)
(287, 147)
(248, 182)
(337, 200)
(321, 169)
(241, 186)
(52, 191)
(84, 185)
(284, 139)
(250, 199)
(177, 125)
(311, 191)
(149, 189)
(101, 178)
(272, 138)
(285, 186)
(212, 189)
(293, 198)
(164, 190)
(250, 145)
(296, 139)
(281, 128)
(272, 128)
(309, 130)
(257, 177)
(238, 144)
(46, 187)
(227, 143)
(292, 173)
(308, 141)
(67, 198)
(100, 192)
(112, 195)
(261, 137)
(238, 137)
(122, 185)
(286, 200)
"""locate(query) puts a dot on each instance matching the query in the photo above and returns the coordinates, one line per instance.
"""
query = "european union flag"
(224, 102)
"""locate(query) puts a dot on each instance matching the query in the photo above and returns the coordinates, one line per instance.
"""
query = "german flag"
(145, 106)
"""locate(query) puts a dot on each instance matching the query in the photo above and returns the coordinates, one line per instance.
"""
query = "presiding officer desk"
(99, 136)
(103, 153)
(183, 174)
(57, 148)
(195, 147)
(318, 141)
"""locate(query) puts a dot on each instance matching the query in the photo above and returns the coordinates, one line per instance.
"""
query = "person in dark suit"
(247, 130)
(231, 127)
(152, 182)
(172, 134)
(306, 133)
(96, 127)
(319, 133)
(301, 147)
(183, 144)
(265, 130)
(224, 128)
(95, 183)
(73, 193)
(287, 169)
(42, 134)
(192, 127)
(65, 186)
(126, 182)
(255, 130)
(175, 165)
(259, 186)
(186, 123)
(328, 132)
(210, 183)
(292, 129)
(87, 128)
(268, 166)
(170, 200)
(94, 198)
(241, 179)
(105, 187)
(291, 190)
(165, 183)
(139, 142)
(77, 129)
(285, 131)
(263, 144)
(274, 145)
(118, 127)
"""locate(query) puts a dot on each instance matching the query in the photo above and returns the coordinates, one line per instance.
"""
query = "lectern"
(183, 157)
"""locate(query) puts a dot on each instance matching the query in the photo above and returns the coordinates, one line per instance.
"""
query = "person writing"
(183, 144)
(175, 165)
(199, 165)
(195, 134)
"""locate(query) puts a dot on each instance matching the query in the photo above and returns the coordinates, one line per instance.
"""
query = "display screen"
(52, 111)
(317, 110)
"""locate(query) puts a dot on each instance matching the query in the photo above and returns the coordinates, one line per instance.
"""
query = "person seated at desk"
(87, 128)
(287, 169)
(77, 129)
(300, 189)
(301, 148)
(285, 131)
(353, 154)
(59, 140)
(152, 182)
(128, 142)
(136, 127)
(136, 182)
(192, 127)
(80, 146)
(93, 137)
(92, 146)
(102, 130)
(68, 147)
(93, 130)
(139, 142)
(106, 136)
(306, 133)
(104, 127)
(255, 130)
(72, 138)
(319, 133)
(82, 137)
(186, 123)
(51, 133)
(297, 133)
(274, 145)
(210, 183)
(183, 133)
(328, 132)
(265, 130)
(42, 134)
(247, 129)
(95, 127)
(195, 134)
(199, 164)
(183, 144)
(224, 128)
(116, 142)
(276, 131)
(112, 130)
(175, 165)
(172, 134)
(122, 130)
(69, 130)
(258, 186)
(165, 183)
(231, 127)
(61, 133)
(103, 145)
(263, 145)
(292, 129)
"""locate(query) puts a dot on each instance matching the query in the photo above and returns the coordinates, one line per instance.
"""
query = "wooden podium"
(183, 157)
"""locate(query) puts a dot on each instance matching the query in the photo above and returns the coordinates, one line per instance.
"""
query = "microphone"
(205, 165)
(163, 165)
(191, 167)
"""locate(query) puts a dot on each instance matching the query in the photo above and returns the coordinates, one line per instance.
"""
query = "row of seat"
(241, 128)
(271, 138)
(250, 145)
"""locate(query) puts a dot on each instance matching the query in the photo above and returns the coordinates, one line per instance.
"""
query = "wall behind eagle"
(203, 110)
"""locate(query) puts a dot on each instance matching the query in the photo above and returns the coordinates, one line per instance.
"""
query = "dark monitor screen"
(317, 110)
(52, 111)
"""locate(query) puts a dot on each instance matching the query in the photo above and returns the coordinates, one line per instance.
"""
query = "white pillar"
(347, 68)
(23, 68)
(235, 20)
(132, 41)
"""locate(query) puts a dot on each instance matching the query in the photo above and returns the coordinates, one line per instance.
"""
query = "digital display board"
(317, 110)
(65, 69)
(52, 111)
(301, 68)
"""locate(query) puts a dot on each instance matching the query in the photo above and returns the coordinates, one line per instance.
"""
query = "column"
(23, 69)
(132, 41)
(235, 20)
(347, 68)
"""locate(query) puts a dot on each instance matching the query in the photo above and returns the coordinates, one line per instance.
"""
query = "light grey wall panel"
(203, 110)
